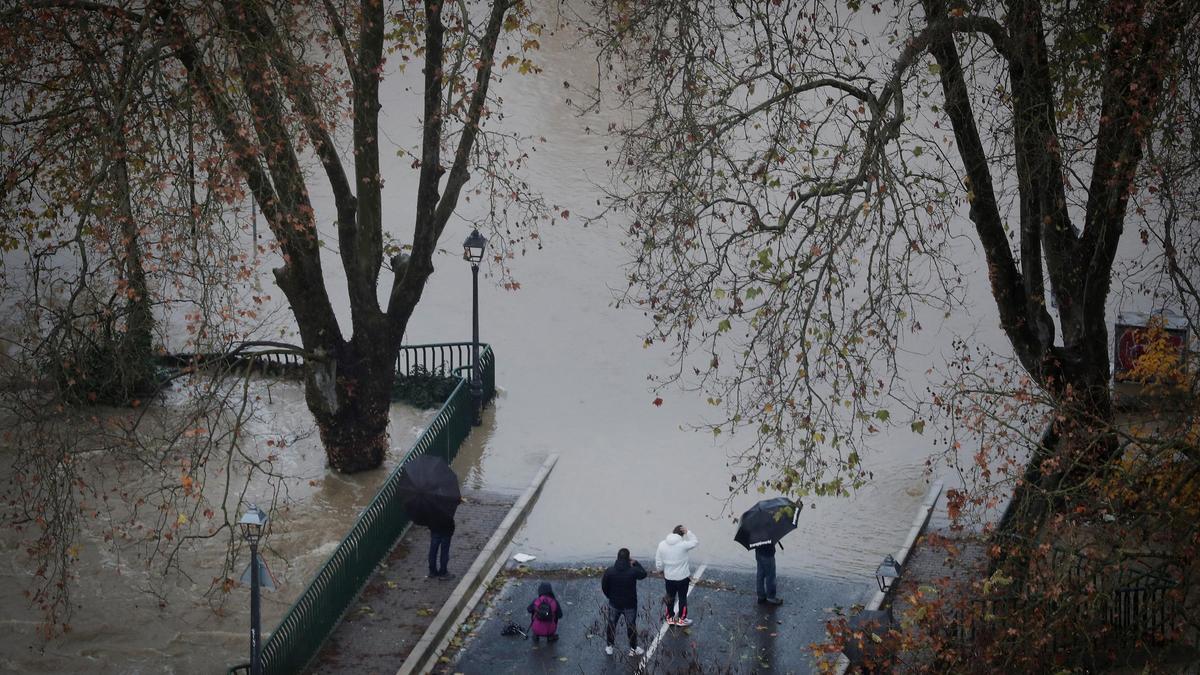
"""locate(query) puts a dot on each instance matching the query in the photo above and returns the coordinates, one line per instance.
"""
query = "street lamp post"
(473, 253)
(252, 524)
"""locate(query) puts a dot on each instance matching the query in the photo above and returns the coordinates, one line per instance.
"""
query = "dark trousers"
(439, 546)
(766, 576)
(612, 616)
(677, 590)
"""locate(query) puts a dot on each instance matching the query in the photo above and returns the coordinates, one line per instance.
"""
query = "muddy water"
(129, 618)
(573, 377)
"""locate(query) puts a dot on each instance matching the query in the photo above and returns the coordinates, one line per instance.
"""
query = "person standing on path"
(671, 559)
(765, 578)
(619, 584)
(439, 548)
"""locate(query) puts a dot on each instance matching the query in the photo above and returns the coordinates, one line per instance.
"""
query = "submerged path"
(732, 633)
(399, 603)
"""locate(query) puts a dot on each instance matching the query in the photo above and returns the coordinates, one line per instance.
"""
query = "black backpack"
(542, 609)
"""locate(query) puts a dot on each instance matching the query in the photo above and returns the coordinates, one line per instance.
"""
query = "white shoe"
(683, 622)
(608, 650)
(636, 651)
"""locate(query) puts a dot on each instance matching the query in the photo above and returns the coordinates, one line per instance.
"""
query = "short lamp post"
(252, 523)
(887, 573)
(473, 253)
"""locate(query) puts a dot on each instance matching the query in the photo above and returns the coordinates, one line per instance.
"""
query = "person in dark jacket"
(620, 587)
(545, 627)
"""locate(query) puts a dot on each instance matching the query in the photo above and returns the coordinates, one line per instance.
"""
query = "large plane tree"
(277, 82)
(797, 174)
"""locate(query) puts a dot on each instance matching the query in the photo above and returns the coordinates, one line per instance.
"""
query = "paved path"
(731, 633)
(399, 602)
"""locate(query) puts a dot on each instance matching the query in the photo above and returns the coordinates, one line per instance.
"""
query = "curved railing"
(451, 358)
(302, 631)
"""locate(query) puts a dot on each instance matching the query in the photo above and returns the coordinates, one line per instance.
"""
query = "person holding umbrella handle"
(759, 530)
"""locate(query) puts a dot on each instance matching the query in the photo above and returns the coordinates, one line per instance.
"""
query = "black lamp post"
(473, 253)
(252, 524)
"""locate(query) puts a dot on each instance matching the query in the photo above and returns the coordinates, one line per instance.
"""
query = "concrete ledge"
(487, 564)
(919, 522)
(924, 511)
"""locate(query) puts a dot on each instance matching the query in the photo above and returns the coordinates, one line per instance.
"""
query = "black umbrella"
(767, 521)
(428, 488)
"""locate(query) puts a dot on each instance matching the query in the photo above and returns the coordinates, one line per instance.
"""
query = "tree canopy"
(798, 176)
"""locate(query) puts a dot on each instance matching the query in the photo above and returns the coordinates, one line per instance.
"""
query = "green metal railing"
(302, 631)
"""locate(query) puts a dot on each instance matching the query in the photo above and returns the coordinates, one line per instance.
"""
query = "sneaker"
(446, 575)
(774, 601)
(608, 649)
(683, 622)
(636, 651)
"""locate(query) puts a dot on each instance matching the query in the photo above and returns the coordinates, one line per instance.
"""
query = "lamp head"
(887, 572)
(252, 523)
(473, 247)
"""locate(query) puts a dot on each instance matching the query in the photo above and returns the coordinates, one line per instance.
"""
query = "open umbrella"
(767, 521)
(428, 488)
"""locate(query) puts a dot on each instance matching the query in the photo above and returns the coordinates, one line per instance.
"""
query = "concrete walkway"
(399, 602)
(731, 633)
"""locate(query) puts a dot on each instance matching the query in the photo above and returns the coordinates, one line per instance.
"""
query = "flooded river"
(573, 375)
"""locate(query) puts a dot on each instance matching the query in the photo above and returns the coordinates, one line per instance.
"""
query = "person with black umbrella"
(429, 490)
(760, 529)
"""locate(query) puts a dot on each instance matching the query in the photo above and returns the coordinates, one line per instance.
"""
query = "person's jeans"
(766, 576)
(439, 543)
(677, 590)
(612, 616)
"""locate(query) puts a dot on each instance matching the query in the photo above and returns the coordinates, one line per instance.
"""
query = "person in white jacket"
(671, 559)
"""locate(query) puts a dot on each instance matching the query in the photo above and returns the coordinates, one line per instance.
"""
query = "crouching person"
(545, 613)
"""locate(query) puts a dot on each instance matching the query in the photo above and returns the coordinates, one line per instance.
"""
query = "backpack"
(542, 611)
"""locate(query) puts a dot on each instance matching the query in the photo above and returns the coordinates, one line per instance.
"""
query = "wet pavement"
(399, 602)
(731, 632)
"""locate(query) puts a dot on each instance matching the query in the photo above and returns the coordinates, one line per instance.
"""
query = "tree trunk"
(350, 396)
(135, 351)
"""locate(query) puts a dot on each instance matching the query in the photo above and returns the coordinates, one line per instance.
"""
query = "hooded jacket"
(539, 627)
(619, 584)
(672, 556)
